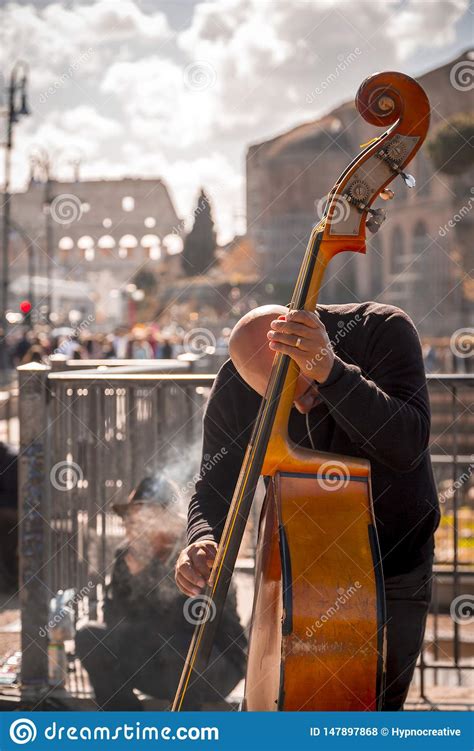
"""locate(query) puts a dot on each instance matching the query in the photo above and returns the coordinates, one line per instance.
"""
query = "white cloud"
(415, 25)
(81, 127)
(52, 37)
(112, 79)
(162, 109)
(224, 185)
(110, 20)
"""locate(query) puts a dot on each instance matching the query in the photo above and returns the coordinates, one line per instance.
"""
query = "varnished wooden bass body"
(318, 620)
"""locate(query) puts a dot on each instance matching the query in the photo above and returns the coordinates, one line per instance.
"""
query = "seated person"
(148, 623)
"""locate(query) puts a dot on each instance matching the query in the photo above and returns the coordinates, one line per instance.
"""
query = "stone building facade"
(97, 232)
(412, 262)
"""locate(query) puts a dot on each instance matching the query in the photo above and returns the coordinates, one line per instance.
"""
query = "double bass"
(317, 540)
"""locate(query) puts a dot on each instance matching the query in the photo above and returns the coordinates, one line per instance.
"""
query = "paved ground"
(9, 624)
(437, 697)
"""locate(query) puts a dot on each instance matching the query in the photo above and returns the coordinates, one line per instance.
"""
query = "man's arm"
(386, 411)
(227, 425)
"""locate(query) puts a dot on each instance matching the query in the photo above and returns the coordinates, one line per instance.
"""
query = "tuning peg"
(387, 194)
(377, 218)
(409, 179)
(372, 225)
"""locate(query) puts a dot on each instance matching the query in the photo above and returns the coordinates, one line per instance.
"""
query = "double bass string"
(245, 488)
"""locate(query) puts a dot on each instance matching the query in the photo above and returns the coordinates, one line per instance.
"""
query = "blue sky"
(179, 89)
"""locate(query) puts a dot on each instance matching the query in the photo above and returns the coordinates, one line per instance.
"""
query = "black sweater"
(373, 405)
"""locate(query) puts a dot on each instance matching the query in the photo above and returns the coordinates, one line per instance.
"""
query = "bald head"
(253, 358)
(248, 345)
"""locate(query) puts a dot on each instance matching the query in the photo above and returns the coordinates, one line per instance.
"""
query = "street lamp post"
(16, 108)
(29, 247)
(44, 162)
(41, 159)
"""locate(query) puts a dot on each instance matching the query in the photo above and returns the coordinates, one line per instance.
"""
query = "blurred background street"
(162, 165)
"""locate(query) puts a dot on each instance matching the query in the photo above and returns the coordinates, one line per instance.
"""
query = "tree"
(145, 280)
(200, 244)
(450, 146)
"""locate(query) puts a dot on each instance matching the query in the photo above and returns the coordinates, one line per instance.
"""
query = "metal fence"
(87, 437)
(447, 658)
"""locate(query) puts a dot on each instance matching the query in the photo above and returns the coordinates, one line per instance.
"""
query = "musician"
(361, 392)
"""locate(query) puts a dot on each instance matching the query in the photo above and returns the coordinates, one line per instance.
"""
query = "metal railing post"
(34, 526)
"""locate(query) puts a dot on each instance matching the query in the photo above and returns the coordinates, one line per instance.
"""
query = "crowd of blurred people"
(146, 342)
(141, 343)
(441, 356)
